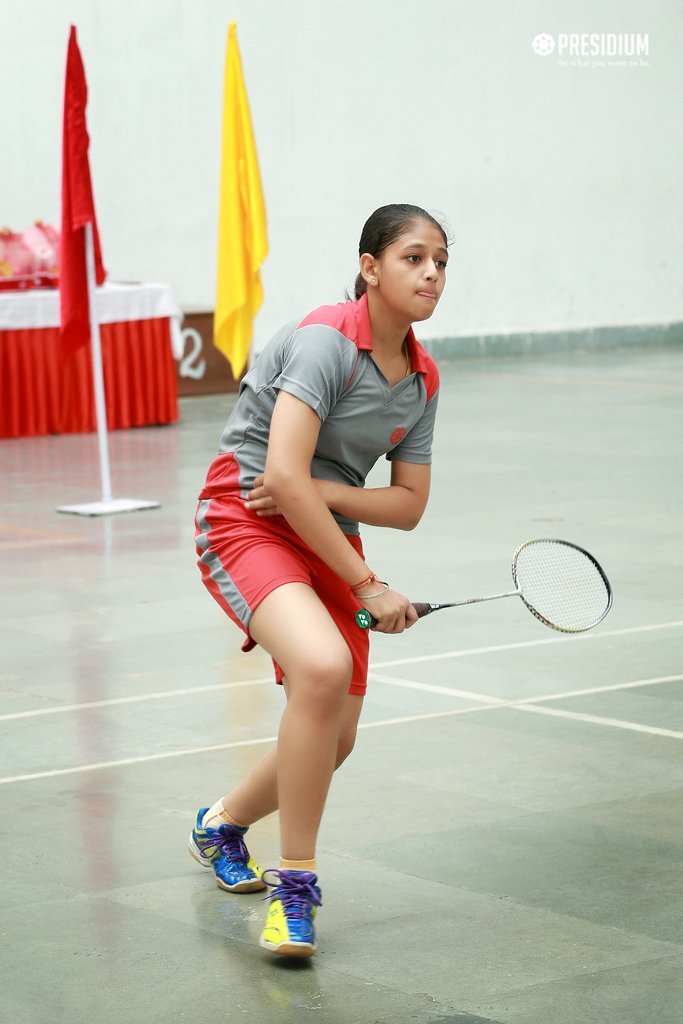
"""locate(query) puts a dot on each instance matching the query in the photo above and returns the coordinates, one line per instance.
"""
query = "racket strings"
(562, 585)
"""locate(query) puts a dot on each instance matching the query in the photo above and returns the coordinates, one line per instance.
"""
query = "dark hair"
(384, 226)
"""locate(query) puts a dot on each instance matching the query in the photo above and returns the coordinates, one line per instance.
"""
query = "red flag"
(78, 208)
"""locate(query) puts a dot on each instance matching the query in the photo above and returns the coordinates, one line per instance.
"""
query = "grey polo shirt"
(325, 361)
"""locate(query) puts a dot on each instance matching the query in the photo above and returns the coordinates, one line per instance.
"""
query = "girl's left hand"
(259, 501)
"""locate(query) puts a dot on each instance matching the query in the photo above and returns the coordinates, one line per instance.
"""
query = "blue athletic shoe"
(224, 850)
(289, 928)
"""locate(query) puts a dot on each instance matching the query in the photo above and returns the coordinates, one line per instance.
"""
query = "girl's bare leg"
(257, 796)
(293, 626)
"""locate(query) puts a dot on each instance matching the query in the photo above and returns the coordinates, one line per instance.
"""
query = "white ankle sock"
(217, 816)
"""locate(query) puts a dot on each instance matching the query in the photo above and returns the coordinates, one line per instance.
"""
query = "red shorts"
(243, 557)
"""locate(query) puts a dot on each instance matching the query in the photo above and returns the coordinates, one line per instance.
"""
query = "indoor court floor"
(506, 842)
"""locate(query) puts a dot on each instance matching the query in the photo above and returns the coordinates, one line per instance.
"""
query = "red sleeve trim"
(431, 376)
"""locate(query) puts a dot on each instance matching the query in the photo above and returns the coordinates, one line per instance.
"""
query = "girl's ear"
(369, 269)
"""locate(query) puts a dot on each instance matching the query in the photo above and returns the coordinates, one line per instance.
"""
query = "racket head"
(562, 584)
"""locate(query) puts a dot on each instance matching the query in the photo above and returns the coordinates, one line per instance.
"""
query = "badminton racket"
(559, 582)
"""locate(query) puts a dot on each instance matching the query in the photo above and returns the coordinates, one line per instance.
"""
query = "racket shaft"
(423, 608)
(470, 600)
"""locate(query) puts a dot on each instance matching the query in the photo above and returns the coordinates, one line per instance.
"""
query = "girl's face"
(411, 272)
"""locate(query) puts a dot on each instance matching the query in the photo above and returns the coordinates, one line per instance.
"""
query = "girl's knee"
(326, 679)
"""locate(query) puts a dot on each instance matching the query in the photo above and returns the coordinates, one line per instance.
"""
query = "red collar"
(363, 337)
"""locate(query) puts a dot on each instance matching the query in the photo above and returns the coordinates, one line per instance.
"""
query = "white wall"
(562, 185)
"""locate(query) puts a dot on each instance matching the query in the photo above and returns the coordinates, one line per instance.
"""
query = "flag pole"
(97, 370)
(107, 505)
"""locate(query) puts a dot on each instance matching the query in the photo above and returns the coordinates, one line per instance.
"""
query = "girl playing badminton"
(279, 550)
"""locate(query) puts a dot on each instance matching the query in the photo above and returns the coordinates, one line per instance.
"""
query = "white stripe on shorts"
(224, 581)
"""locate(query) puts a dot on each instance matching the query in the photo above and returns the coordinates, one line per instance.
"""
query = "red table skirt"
(41, 392)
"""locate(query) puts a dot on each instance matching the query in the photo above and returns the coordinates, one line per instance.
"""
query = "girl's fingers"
(258, 497)
(261, 503)
(393, 611)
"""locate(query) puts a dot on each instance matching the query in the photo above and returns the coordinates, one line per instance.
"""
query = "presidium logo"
(594, 49)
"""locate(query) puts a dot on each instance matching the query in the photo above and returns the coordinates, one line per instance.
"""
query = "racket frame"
(366, 620)
(534, 611)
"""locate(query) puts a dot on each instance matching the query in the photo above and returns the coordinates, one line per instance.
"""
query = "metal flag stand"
(107, 505)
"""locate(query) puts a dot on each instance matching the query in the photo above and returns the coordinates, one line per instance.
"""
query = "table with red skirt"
(44, 392)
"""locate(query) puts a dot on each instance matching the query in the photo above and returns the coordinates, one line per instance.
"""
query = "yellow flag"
(242, 238)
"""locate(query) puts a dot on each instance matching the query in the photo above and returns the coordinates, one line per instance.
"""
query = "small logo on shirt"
(398, 435)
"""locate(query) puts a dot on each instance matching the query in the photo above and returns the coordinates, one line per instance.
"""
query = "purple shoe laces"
(229, 842)
(296, 889)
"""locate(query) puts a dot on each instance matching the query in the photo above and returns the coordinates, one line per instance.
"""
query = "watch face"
(363, 618)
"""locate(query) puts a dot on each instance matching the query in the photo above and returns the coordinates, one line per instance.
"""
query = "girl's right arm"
(293, 437)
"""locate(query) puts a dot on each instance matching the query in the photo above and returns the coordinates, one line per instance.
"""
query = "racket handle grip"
(366, 620)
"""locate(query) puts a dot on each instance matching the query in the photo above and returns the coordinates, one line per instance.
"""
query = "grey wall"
(561, 182)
